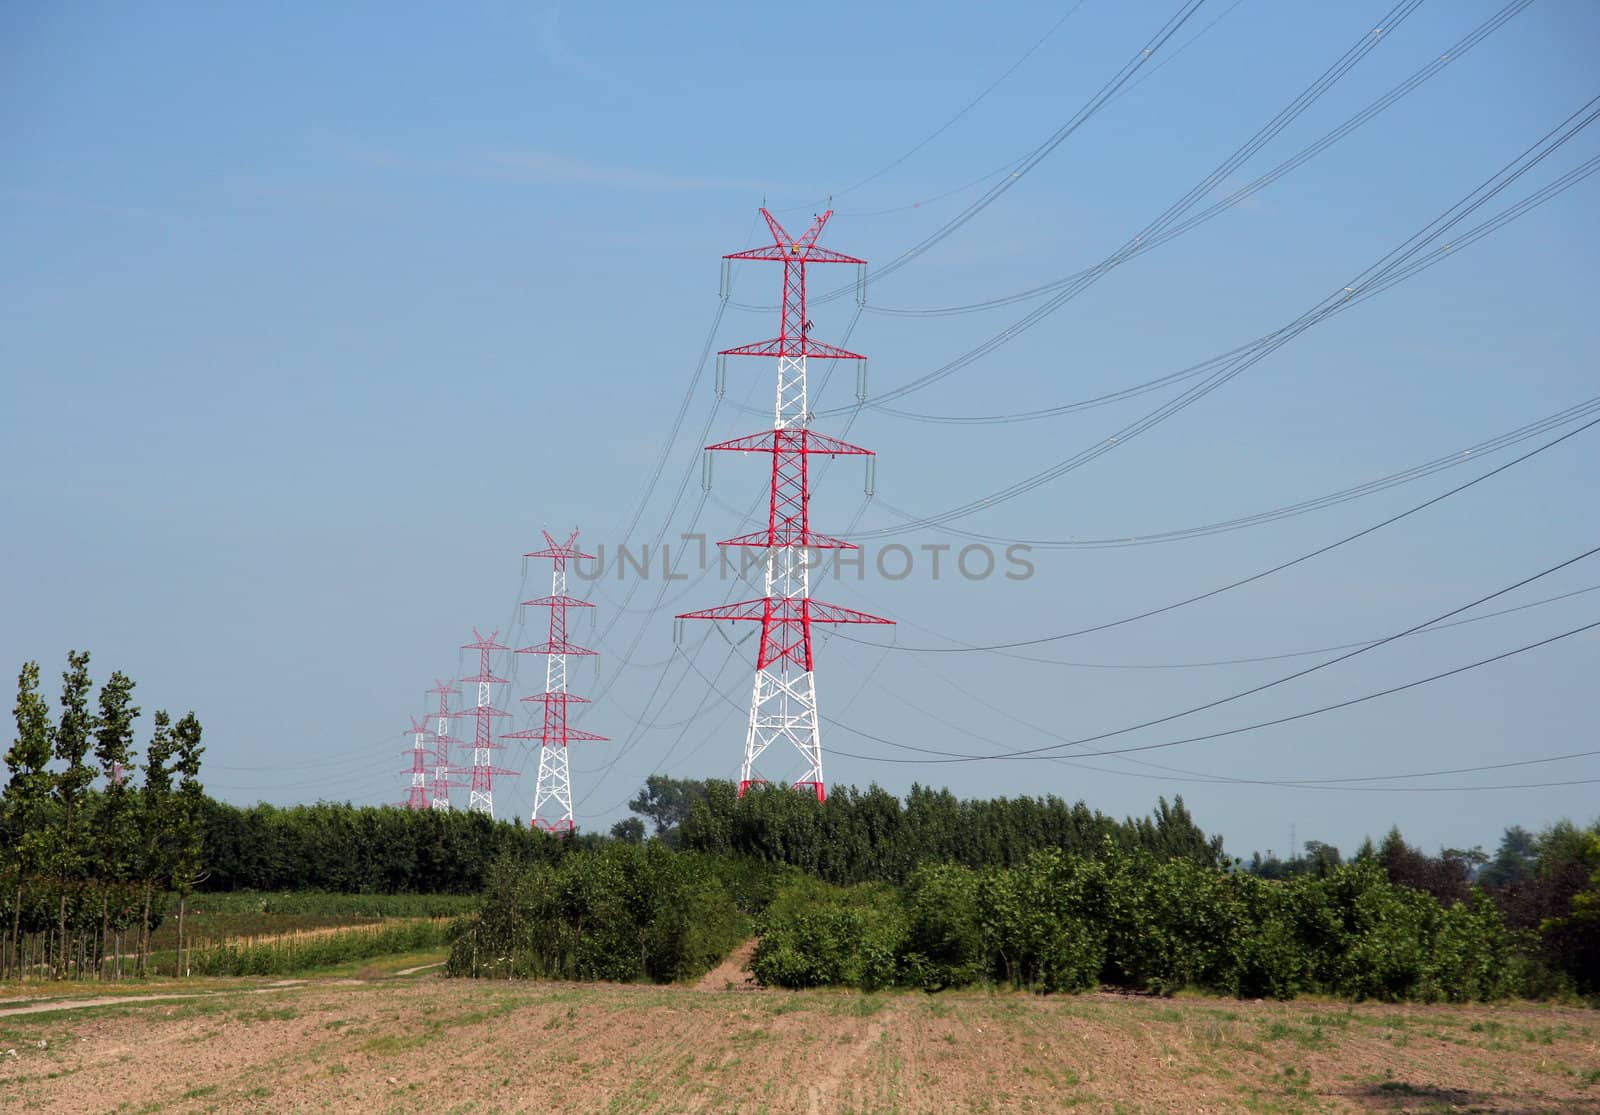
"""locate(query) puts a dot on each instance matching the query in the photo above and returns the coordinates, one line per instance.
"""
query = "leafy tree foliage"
(1575, 936)
(871, 836)
(1062, 922)
(629, 830)
(72, 784)
(667, 802)
(351, 849)
(1447, 876)
(27, 797)
(1514, 861)
(82, 863)
(623, 912)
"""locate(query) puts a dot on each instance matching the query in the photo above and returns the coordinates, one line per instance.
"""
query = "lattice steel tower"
(417, 795)
(443, 767)
(483, 743)
(552, 801)
(783, 702)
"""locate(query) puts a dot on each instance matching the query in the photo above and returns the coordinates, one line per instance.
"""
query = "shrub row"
(297, 952)
(1067, 923)
(623, 912)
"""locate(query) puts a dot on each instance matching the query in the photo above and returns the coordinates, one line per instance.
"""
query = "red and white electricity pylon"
(417, 795)
(783, 703)
(552, 801)
(483, 743)
(442, 740)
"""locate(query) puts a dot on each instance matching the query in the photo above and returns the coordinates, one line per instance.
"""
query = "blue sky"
(311, 318)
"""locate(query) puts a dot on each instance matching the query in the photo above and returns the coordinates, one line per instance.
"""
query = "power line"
(1016, 161)
(1450, 54)
(964, 648)
(1305, 784)
(1196, 193)
(1374, 275)
(1034, 158)
(1313, 650)
(1271, 341)
(1297, 674)
(1407, 475)
(1033, 754)
(968, 107)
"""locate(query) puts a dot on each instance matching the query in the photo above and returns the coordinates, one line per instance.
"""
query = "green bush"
(623, 913)
(944, 933)
(816, 935)
(1059, 923)
(1036, 932)
(1366, 938)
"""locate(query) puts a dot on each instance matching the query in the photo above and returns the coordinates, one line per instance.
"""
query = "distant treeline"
(855, 836)
(871, 835)
(360, 849)
(869, 891)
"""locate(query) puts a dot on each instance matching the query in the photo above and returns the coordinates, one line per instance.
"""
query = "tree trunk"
(105, 931)
(16, 926)
(144, 928)
(58, 970)
(182, 965)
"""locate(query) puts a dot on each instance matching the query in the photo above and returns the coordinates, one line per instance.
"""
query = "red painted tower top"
(794, 327)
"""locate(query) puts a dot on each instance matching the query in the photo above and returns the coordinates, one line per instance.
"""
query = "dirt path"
(733, 974)
(75, 1004)
(421, 968)
(47, 1005)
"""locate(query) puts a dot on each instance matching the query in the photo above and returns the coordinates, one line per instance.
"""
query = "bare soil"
(733, 974)
(424, 1042)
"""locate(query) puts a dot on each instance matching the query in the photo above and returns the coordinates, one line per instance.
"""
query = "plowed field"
(420, 1042)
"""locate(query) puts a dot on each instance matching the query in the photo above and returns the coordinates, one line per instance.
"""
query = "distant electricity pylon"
(443, 767)
(417, 796)
(483, 744)
(783, 703)
(552, 801)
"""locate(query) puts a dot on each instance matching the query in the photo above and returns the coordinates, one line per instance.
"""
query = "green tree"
(71, 788)
(27, 793)
(629, 830)
(1572, 938)
(1321, 859)
(115, 835)
(188, 835)
(667, 801)
(154, 824)
(1513, 861)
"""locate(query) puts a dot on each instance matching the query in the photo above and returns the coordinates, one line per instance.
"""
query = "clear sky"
(312, 317)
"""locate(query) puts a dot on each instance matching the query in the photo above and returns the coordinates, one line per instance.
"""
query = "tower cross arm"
(802, 440)
(810, 255)
(746, 609)
(557, 602)
(784, 534)
(557, 648)
(818, 612)
(804, 345)
(803, 247)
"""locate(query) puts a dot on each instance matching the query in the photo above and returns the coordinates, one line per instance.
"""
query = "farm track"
(427, 1043)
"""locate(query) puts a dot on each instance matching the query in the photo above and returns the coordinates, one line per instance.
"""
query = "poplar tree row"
(93, 840)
